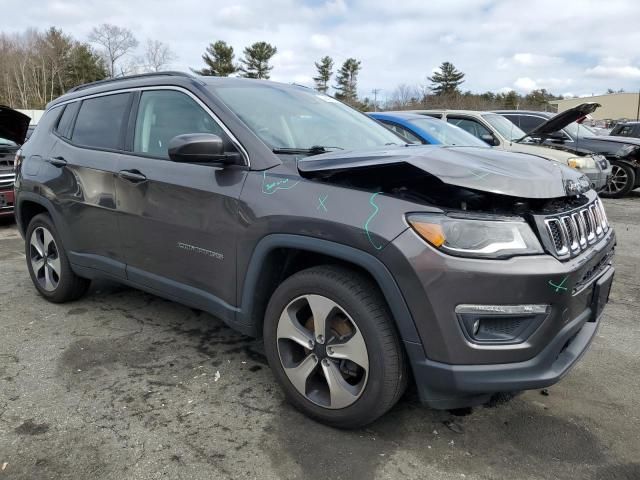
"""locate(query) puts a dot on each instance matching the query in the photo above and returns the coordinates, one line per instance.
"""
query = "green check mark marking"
(560, 286)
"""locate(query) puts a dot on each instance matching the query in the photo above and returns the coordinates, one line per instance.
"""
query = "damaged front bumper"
(452, 370)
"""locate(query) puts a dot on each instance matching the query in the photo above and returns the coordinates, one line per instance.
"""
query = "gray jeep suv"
(364, 263)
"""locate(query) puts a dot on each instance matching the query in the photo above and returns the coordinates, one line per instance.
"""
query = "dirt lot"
(125, 385)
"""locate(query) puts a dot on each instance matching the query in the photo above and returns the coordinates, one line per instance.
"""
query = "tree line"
(38, 66)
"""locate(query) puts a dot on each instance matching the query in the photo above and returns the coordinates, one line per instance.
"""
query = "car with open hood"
(13, 130)
(567, 130)
(362, 262)
(500, 133)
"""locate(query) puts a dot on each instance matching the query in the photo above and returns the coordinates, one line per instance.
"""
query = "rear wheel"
(48, 264)
(330, 341)
(621, 182)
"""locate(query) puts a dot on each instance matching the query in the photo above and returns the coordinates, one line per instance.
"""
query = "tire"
(357, 320)
(51, 273)
(622, 181)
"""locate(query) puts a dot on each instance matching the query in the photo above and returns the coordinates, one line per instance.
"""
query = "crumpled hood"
(561, 120)
(477, 168)
(13, 125)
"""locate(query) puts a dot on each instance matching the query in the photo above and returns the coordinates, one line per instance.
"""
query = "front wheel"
(621, 182)
(332, 345)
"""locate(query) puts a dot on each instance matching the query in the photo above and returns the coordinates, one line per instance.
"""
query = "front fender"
(379, 272)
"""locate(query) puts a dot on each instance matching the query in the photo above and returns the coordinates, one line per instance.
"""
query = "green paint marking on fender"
(560, 286)
(272, 187)
(366, 224)
(321, 204)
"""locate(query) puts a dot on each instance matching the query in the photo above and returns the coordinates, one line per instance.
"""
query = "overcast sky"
(574, 47)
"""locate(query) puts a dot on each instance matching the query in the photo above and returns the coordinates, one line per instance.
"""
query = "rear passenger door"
(179, 221)
(90, 135)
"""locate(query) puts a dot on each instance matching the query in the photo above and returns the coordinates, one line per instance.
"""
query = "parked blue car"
(416, 128)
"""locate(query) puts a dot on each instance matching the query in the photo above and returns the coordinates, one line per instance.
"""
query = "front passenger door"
(178, 220)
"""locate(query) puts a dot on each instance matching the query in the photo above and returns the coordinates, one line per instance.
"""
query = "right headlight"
(473, 237)
(581, 162)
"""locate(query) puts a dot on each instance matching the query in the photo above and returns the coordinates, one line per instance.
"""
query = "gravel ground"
(122, 384)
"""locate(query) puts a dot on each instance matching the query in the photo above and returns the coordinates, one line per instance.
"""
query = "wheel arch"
(261, 278)
(28, 205)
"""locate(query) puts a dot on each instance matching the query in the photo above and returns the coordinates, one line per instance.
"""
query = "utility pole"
(638, 111)
(375, 92)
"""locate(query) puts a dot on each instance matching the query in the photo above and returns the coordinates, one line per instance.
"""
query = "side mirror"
(200, 148)
(489, 139)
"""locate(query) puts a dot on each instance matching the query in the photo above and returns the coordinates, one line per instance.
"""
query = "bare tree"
(116, 42)
(404, 96)
(158, 55)
(36, 67)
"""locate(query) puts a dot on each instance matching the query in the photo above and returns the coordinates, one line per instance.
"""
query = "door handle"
(57, 161)
(133, 176)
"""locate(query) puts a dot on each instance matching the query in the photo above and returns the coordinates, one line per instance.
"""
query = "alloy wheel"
(618, 180)
(45, 259)
(322, 351)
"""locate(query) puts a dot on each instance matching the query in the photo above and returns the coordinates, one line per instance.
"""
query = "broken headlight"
(474, 237)
(581, 162)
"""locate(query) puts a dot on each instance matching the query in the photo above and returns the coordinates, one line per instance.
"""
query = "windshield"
(576, 130)
(297, 118)
(505, 127)
(446, 133)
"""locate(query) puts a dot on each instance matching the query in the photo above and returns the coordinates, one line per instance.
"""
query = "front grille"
(7, 180)
(574, 232)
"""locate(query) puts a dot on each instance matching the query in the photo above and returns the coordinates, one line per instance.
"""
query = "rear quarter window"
(100, 121)
(66, 119)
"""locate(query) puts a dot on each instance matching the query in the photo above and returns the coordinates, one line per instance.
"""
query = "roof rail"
(130, 77)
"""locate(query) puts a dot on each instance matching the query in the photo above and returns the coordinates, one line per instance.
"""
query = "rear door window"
(528, 122)
(513, 118)
(101, 120)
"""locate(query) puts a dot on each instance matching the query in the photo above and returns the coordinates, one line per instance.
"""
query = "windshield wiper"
(314, 150)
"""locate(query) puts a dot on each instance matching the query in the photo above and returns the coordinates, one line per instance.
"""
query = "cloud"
(448, 39)
(533, 60)
(397, 42)
(526, 84)
(602, 71)
(321, 42)
(614, 68)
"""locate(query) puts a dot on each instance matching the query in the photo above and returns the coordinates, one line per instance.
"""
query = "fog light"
(500, 323)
